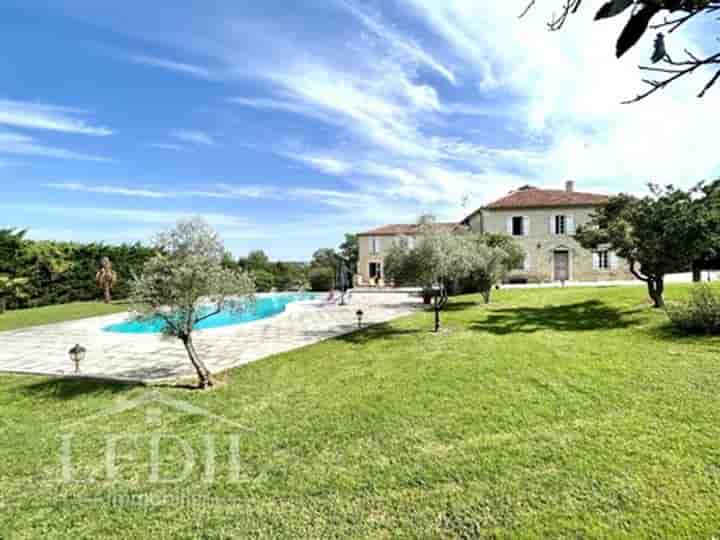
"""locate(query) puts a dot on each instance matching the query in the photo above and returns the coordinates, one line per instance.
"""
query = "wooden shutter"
(612, 260)
(552, 224)
(509, 225)
(526, 226)
(596, 260)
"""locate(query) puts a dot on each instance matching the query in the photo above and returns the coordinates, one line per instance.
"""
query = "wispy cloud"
(193, 137)
(325, 164)
(109, 190)
(22, 114)
(16, 143)
(172, 65)
(398, 42)
(169, 146)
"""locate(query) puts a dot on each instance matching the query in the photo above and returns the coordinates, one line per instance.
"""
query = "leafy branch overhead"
(640, 17)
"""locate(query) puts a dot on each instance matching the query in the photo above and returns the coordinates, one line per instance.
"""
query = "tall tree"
(186, 283)
(350, 251)
(659, 234)
(644, 15)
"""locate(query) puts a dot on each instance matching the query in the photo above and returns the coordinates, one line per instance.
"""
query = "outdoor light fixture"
(77, 355)
(359, 314)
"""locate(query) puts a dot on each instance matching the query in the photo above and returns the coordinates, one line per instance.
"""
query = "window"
(602, 260)
(560, 225)
(518, 226)
(374, 245)
(375, 270)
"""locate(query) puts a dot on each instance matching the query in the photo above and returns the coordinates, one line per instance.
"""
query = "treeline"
(50, 272)
(268, 275)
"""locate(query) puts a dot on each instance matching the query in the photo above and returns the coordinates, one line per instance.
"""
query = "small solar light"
(359, 313)
(77, 355)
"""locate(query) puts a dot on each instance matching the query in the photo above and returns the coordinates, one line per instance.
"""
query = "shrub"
(700, 314)
(321, 279)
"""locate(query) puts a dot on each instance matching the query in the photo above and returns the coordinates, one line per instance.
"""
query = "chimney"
(570, 186)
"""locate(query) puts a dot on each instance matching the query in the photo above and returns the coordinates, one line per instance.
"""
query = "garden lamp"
(359, 313)
(77, 355)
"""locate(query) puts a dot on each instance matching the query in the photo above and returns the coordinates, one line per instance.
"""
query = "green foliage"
(62, 272)
(350, 252)
(700, 314)
(321, 278)
(264, 280)
(662, 233)
(281, 275)
(187, 282)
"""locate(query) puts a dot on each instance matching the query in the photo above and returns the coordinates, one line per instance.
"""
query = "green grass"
(23, 318)
(553, 413)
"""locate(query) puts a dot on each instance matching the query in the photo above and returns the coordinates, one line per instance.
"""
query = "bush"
(321, 279)
(700, 314)
(264, 280)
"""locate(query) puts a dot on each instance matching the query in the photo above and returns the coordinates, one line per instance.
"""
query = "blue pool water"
(264, 307)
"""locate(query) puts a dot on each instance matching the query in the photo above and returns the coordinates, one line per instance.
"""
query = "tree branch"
(682, 68)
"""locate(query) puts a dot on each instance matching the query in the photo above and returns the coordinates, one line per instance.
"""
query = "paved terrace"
(43, 350)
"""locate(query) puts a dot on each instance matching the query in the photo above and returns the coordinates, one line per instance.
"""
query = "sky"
(287, 124)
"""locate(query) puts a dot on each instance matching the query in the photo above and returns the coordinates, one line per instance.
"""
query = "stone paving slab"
(43, 350)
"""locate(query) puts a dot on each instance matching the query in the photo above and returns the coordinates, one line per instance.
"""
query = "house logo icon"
(171, 457)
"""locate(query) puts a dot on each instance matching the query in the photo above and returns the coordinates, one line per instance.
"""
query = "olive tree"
(186, 283)
(492, 257)
(660, 234)
(439, 258)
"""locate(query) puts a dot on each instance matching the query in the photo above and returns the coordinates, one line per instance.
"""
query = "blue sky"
(287, 124)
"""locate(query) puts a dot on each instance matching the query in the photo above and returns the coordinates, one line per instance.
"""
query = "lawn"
(22, 318)
(553, 413)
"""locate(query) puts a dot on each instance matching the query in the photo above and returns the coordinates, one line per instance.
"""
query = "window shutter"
(612, 260)
(509, 225)
(552, 224)
(379, 244)
(371, 244)
(570, 224)
(526, 226)
(596, 260)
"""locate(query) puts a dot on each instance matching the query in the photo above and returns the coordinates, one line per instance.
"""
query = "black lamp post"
(77, 355)
(359, 313)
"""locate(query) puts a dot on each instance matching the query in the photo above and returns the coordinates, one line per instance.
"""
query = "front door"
(562, 266)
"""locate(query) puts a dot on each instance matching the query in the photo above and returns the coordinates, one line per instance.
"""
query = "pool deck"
(43, 350)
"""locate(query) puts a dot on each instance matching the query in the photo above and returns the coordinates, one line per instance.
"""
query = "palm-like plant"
(11, 287)
(106, 278)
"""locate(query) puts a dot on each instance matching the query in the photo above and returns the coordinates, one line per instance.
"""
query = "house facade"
(542, 221)
(373, 246)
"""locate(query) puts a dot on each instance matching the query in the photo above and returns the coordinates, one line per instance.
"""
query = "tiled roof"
(392, 230)
(540, 198)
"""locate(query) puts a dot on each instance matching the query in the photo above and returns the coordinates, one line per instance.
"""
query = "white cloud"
(109, 190)
(171, 65)
(398, 42)
(326, 164)
(16, 143)
(29, 115)
(169, 146)
(193, 137)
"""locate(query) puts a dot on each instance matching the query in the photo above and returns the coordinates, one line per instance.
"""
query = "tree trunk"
(108, 294)
(696, 273)
(656, 289)
(204, 377)
(486, 295)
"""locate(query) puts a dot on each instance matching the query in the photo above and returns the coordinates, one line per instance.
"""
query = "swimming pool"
(265, 306)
